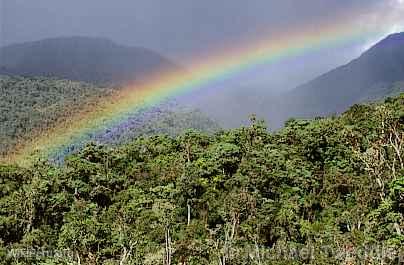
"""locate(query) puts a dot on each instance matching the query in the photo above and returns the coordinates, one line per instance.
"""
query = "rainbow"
(227, 63)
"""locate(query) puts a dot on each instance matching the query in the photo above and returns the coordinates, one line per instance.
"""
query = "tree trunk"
(168, 247)
(189, 214)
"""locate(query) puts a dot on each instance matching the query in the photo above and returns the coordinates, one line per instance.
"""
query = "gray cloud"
(175, 27)
(181, 29)
(184, 28)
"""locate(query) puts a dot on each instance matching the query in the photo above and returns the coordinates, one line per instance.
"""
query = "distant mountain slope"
(94, 60)
(373, 75)
(29, 105)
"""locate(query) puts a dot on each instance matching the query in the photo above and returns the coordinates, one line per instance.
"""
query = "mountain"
(94, 60)
(377, 73)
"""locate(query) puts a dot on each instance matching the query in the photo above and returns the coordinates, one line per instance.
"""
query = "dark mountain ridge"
(95, 60)
(379, 67)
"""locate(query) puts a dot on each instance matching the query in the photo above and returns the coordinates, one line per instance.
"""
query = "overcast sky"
(175, 27)
(182, 28)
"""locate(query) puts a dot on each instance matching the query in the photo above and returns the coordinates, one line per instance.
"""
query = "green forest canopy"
(235, 197)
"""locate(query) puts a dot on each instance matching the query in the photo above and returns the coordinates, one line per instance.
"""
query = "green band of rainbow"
(118, 107)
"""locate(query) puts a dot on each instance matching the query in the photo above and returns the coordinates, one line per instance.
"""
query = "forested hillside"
(30, 105)
(325, 191)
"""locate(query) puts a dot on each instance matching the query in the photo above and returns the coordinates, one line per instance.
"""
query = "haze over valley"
(201, 132)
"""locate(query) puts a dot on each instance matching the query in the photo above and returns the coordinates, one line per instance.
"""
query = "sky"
(183, 29)
(177, 28)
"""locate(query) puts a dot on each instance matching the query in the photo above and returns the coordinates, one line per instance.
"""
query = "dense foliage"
(32, 104)
(29, 105)
(242, 196)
